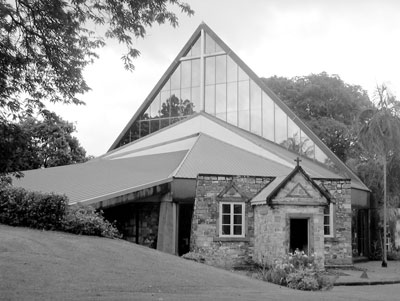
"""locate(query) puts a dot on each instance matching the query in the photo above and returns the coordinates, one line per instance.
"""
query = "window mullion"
(232, 219)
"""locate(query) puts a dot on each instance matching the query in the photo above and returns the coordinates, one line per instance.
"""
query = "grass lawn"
(46, 265)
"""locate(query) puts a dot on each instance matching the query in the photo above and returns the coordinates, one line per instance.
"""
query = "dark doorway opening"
(360, 222)
(299, 234)
(184, 228)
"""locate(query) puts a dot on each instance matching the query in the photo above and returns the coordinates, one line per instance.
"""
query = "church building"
(215, 163)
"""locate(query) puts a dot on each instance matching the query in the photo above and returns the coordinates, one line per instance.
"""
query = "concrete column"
(166, 239)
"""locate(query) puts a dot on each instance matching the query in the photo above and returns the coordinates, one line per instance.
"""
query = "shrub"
(298, 271)
(85, 220)
(306, 280)
(19, 207)
(277, 275)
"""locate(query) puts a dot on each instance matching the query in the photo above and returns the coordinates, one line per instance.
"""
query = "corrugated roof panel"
(314, 169)
(213, 156)
(102, 178)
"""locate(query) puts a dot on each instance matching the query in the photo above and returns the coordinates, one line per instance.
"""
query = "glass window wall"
(232, 103)
(255, 108)
(307, 145)
(229, 94)
(220, 68)
(220, 101)
(210, 99)
(280, 126)
(210, 71)
(195, 49)
(244, 105)
(231, 70)
(268, 118)
(293, 140)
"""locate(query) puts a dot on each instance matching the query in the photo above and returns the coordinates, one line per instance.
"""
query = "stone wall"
(267, 235)
(338, 249)
(272, 229)
(298, 199)
(205, 240)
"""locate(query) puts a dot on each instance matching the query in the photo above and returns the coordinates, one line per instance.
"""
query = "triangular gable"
(158, 87)
(298, 170)
(231, 191)
(298, 191)
(260, 111)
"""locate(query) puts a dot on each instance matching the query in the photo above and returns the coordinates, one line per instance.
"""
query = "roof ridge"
(112, 156)
(244, 134)
(238, 148)
(173, 173)
(297, 169)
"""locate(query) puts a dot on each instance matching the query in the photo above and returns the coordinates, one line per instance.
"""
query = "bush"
(306, 280)
(85, 220)
(19, 207)
(298, 271)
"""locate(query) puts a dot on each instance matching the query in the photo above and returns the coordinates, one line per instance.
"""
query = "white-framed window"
(231, 217)
(328, 220)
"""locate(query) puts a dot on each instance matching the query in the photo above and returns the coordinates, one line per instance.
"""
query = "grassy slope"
(42, 265)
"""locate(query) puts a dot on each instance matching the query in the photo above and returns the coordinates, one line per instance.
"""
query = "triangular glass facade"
(207, 78)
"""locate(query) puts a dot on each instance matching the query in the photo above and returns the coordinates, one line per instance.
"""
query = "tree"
(380, 136)
(39, 144)
(46, 44)
(326, 104)
(13, 149)
(50, 142)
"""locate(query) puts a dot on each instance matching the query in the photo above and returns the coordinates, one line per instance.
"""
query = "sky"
(359, 40)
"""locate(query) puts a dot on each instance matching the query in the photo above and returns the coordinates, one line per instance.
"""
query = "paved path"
(38, 265)
(374, 271)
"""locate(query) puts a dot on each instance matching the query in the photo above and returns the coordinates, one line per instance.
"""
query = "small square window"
(231, 218)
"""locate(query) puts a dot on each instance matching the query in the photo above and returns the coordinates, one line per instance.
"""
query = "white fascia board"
(175, 146)
(201, 124)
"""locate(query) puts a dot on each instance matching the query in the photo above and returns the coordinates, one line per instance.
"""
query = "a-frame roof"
(197, 144)
(201, 145)
(174, 65)
(277, 101)
(160, 83)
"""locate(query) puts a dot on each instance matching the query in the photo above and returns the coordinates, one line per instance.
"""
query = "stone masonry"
(267, 226)
(337, 249)
(218, 251)
(272, 222)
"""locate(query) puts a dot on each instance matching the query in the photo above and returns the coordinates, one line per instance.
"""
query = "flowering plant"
(296, 270)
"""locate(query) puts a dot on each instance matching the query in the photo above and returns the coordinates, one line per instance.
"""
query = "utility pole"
(384, 259)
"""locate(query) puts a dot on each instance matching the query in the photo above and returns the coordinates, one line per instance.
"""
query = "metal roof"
(315, 169)
(212, 156)
(155, 163)
(103, 179)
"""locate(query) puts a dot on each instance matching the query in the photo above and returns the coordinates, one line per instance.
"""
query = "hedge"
(19, 207)
(49, 211)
